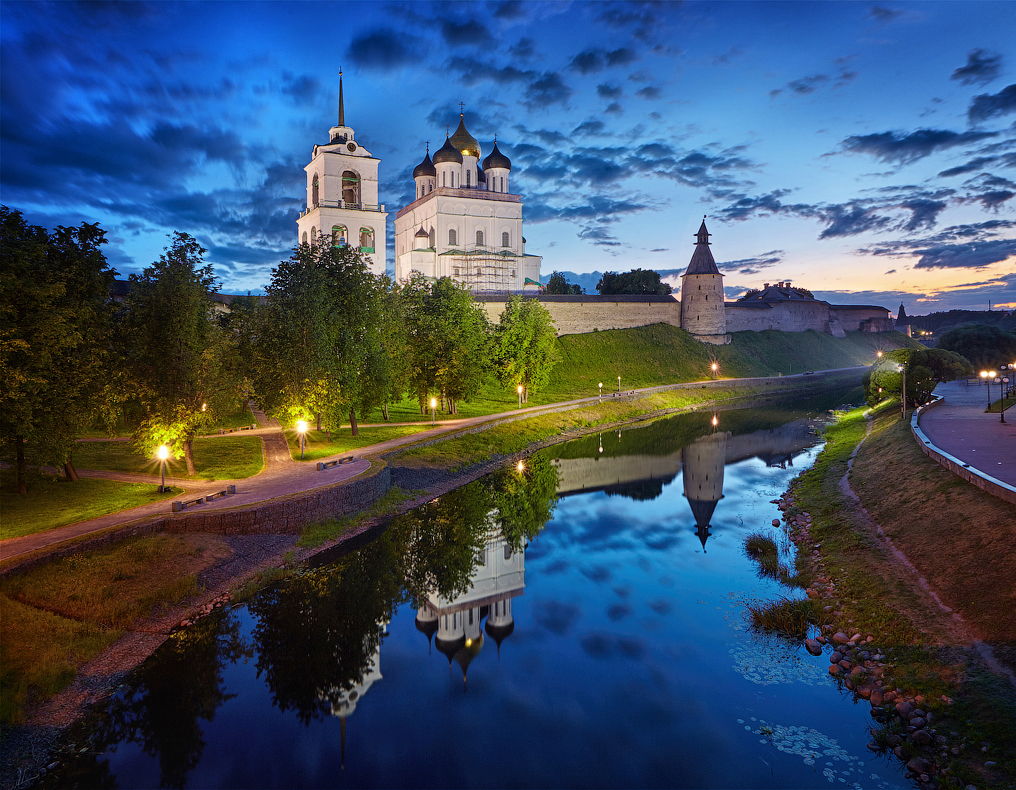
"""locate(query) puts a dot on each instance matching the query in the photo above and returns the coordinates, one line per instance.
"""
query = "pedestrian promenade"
(960, 427)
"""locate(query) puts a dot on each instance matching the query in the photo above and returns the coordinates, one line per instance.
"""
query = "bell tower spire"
(342, 109)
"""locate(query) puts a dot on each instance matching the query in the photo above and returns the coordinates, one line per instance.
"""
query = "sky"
(865, 151)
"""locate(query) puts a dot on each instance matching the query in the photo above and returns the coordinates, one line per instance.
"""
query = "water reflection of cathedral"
(455, 624)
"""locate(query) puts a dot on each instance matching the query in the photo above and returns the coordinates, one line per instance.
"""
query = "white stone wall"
(580, 314)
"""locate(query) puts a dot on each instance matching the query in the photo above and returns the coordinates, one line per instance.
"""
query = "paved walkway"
(282, 476)
(960, 427)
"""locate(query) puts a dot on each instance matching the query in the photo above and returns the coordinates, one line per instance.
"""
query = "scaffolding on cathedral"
(486, 270)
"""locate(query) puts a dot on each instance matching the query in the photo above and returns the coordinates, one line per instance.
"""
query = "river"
(578, 622)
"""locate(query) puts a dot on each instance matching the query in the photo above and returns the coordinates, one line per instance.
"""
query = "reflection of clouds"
(555, 616)
(601, 645)
(618, 611)
(661, 607)
(623, 591)
(598, 574)
(558, 566)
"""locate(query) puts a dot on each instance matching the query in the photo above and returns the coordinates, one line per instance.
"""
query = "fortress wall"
(575, 315)
(866, 318)
(784, 316)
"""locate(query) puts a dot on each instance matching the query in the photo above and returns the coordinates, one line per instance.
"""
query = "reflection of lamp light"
(716, 420)
(601, 442)
(301, 426)
(163, 455)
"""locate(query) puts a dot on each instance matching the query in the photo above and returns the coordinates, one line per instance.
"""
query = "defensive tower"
(702, 310)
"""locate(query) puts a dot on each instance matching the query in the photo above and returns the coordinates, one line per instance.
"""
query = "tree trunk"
(20, 463)
(319, 421)
(70, 472)
(384, 411)
(352, 422)
(188, 454)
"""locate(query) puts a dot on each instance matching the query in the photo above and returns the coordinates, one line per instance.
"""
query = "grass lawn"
(660, 354)
(318, 446)
(225, 458)
(61, 614)
(54, 502)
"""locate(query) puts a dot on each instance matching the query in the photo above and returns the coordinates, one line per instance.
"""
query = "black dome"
(425, 168)
(497, 159)
(447, 153)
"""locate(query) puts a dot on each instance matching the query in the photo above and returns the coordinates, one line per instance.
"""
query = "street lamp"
(984, 375)
(301, 426)
(433, 412)
(618, 385)
(521, 467)
(903, 396)
(1002, 381)
(520, 396)
(163, 455)
(601, 390)
(715, 366)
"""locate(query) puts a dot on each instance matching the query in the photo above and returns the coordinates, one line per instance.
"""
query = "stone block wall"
(575, 315)
(783, 316)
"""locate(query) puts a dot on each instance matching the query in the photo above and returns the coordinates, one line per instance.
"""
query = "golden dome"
(464, 141)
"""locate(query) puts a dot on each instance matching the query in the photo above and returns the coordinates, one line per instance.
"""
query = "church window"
(452, 240)
(315, 192)
(431, 185)
(366, 240)
(339, 235)
(479, 238)
(507, 552)
(468, 178)
(313, 236)
(350, 187)
(305, 237)
(433, 238)
(502, 183)
(444, 179)
(505, 239)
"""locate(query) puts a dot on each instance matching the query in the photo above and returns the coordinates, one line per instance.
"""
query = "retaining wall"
(971, 474)
(576, 315)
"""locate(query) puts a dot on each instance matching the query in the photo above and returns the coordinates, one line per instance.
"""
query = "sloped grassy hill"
(663, 354)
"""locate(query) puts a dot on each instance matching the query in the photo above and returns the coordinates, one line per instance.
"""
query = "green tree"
(986, 347)
(55, 314)
(637, 281)
(925, 369)
(525, 345)
(449, 336)
(174, 349)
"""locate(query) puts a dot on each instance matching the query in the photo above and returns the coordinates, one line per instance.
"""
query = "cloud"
(547, 90)
(987, 105)
(807, 85)
(471, 71)
(981, 68)
(850, 219)
(523, 49)
(810, 84)
(605, 91)
(468, 33)
(510, 10)
(590, 61)
(754, 265)
(990, 191)
(883, 14)
(381, 49)
(614, 108)
(972, 246)
(588, 129)
(648, 92)
(974, 164)
(302, 89)
(903, 148)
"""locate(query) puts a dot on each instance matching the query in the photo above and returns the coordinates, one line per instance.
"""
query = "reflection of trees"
(641, 491)
(180, 684)
(524, 500)
(316, 634)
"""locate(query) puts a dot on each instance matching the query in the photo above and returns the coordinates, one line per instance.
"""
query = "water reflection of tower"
(702, 464)
(455, 624)
(345, 700)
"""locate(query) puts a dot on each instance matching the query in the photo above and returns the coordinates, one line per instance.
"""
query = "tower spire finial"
(342, 109)
(462, 109)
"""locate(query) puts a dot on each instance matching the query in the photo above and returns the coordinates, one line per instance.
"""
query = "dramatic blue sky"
(863, 150)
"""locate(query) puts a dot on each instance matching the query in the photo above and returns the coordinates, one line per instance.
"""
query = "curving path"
(282, 476)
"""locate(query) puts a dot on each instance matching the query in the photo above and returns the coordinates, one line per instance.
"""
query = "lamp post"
(715, 366)
(433, 412)
(878, 354)
(520, 396)
(301, 426)
(902, 368)
(163, 455)
(984, 375)
(601, 390)
(1002, 381)
(618, 385)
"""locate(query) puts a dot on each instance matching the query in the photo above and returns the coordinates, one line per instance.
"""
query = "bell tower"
(342, 196)
(702, 310)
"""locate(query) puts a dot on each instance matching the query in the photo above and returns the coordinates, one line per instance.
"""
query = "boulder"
(904, 709)
(917, 721)
(922, 738)
(840, 638)
(836, 657)
(918, 765)
(813, 647)
(834, 670)
(776, 522)
(876, 698)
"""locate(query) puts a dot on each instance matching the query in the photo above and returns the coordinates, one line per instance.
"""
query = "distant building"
(903, 321)
(465, 222)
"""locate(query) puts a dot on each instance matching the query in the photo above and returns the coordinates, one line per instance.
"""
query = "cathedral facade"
(465, 222)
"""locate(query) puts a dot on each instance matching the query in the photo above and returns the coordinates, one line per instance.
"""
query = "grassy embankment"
(55, 502)
(952, 532)
(58, 616)
(318, 445)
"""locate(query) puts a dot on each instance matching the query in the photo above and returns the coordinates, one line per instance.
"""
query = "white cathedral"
(465, 223)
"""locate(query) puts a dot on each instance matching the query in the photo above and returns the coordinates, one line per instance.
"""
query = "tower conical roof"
(902, 319)
(464, 141)
(702, 259)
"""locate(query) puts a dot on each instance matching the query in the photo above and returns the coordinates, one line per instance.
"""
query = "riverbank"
(904, 557)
